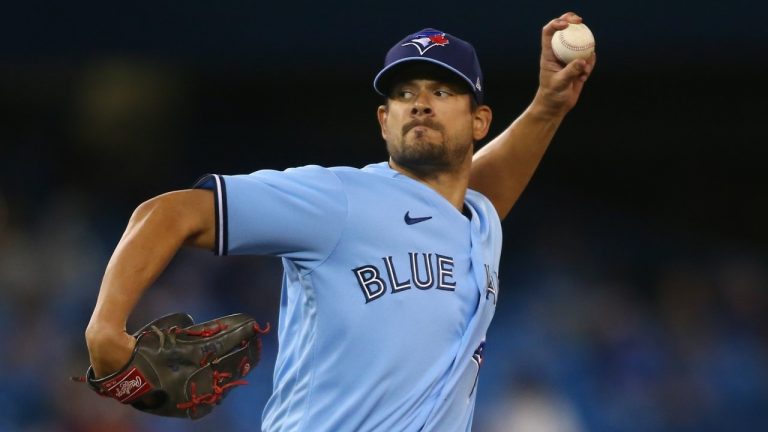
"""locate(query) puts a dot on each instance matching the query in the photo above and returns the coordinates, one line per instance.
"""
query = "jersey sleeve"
(296, 214)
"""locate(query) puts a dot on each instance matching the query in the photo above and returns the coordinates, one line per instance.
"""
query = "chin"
(425, 157)
(423, 164)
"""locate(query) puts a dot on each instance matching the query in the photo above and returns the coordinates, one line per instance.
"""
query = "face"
(429, 125)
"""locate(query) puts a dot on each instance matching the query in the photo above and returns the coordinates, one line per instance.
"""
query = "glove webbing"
(213, 397)
(218, 377)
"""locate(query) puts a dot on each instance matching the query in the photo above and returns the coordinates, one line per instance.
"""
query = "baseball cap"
(436, 47)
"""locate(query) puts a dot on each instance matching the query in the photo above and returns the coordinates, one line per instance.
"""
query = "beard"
(428, 152)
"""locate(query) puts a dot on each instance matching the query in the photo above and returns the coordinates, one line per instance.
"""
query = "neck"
(451, 184)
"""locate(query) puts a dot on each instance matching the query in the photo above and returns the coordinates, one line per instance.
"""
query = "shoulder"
(481, 205)
(303, 177)
(381, 169)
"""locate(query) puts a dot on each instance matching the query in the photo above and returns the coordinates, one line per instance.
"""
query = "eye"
(443, 93)
(405, 94)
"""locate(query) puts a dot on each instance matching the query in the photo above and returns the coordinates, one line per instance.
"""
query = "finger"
(591, 62)
(589, 66)
(575, 68)
(551, 27)
(571, 17)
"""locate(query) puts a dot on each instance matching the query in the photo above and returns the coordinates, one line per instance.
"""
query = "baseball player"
(390, 271)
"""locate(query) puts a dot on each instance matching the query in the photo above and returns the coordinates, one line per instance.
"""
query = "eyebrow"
(433, 84)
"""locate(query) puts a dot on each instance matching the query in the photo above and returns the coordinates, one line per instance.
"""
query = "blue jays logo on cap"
(425, 40)
(453, 54)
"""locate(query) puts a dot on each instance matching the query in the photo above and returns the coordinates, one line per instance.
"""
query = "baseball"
(574, 42)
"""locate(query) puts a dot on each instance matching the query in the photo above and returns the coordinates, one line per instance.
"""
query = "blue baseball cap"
(436, 47)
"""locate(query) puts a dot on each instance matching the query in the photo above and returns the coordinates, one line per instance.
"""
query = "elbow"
(152, 209)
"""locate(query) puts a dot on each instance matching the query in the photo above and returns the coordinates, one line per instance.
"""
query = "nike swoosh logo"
(414, 220)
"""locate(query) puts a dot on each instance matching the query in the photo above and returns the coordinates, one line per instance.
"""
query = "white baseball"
(573, 42)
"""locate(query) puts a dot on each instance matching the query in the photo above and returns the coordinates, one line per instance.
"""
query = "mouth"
(422, 132)
(421, 127)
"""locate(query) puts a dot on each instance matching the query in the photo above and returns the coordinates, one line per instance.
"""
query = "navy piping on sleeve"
(220, 209)
(221, 213)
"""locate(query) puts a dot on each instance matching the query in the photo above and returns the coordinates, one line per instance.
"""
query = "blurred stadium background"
(635, 272)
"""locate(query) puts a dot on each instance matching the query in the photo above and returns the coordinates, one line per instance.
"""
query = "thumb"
(570, 73)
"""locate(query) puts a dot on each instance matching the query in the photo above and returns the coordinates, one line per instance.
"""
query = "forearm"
(156, 231)
(503, 168)
(146, 248)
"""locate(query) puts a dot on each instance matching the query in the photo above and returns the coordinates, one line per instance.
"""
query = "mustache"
(424, 122)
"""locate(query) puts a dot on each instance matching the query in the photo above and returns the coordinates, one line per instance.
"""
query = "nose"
(421, 108)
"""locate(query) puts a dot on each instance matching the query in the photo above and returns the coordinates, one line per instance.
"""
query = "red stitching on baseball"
(561, 36)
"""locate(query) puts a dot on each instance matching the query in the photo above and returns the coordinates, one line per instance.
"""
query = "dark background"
(634, 272)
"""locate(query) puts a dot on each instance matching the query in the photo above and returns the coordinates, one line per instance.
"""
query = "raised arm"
(156, 231)
(502, 168)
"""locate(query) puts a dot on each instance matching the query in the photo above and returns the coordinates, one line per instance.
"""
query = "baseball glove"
(182, 369)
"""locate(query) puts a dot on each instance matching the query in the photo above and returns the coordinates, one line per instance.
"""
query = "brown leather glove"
(182, 369)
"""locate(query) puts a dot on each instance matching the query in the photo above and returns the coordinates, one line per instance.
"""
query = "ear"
(381, 114)
(481, 122)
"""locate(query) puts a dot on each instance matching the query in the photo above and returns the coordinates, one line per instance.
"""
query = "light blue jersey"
(387, 294)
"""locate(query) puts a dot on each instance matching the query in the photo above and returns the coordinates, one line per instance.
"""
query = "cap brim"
(382, 78)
